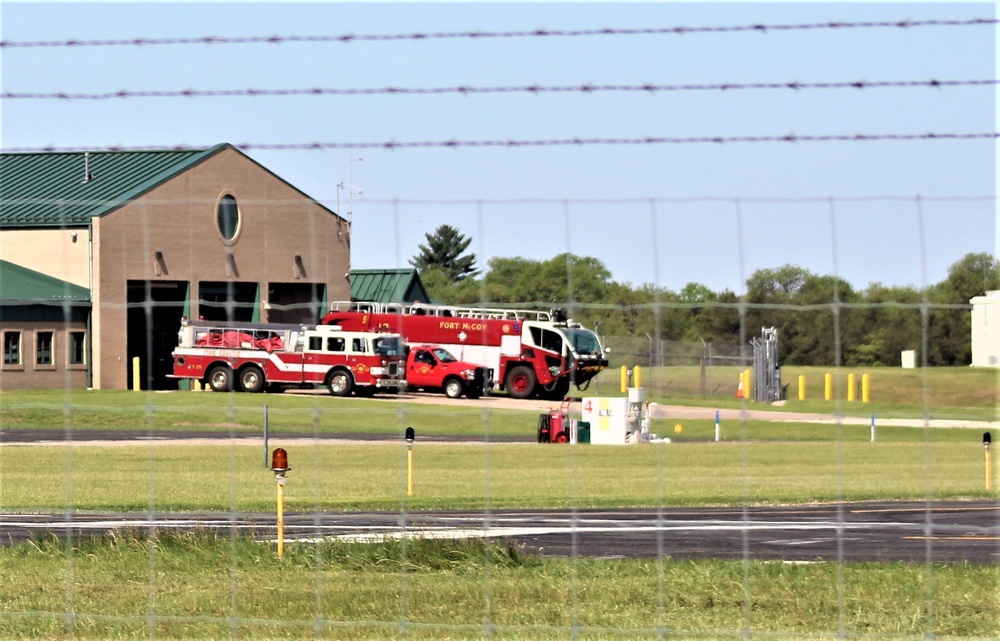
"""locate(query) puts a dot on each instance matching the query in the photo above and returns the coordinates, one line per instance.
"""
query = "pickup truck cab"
(433, 368)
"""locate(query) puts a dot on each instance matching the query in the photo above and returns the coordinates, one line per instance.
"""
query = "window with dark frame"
(12, 348)
(228, 217)
(43, 348)
(77, 351)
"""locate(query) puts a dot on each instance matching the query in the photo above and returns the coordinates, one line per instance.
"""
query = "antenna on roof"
(87, 176)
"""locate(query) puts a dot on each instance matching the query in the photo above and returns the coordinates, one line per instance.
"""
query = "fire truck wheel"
(251, 379)
(340, 382)
(453, 388)
(220, 379)
(521, 382)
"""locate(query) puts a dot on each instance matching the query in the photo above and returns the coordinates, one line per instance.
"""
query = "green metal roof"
(22, 285)
(388, 286)
(49, 189)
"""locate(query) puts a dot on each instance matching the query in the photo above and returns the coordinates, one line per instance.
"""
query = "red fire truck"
(252, 357)
(533, 353)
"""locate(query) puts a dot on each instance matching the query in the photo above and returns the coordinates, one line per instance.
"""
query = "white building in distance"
(986, 330)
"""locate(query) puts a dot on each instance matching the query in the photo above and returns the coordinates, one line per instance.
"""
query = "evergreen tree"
(444, 250)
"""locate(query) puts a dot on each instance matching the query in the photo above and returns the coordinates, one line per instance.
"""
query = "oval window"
(228, 217)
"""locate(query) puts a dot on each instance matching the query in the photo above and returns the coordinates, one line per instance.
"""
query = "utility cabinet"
(615, 421)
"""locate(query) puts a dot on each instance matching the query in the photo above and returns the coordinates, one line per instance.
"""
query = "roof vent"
(87, 176)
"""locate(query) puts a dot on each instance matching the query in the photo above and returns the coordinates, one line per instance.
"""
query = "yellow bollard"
(136, 376)
(624, 379)
(802, 387)
(851, 388)
(281, 517)
(637, 377)
(409, 472)
(828, 387)
(866, 388)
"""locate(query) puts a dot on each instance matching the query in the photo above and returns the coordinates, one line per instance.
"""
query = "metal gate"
(766, 370)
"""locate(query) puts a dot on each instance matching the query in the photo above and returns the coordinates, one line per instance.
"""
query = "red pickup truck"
(433, 368)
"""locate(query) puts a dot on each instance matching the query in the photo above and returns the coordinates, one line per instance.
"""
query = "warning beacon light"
(987, 439)
(279, 461)
(409, 435)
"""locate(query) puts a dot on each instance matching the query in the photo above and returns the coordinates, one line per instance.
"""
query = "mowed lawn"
(350, 476)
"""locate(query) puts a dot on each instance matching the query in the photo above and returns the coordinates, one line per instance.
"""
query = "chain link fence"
(676, 367)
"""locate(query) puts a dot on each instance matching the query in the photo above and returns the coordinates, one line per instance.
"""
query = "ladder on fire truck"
(420, 309)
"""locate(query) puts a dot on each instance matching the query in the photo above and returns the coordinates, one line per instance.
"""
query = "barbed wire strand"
(467, 90)
(464, 202)
(392, 145)
(487, 35)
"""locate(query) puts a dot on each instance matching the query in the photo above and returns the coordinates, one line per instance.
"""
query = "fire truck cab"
(253, 357)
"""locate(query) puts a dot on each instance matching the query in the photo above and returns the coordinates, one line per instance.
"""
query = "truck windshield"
(443, 355)
(584, 341)
(388, 346)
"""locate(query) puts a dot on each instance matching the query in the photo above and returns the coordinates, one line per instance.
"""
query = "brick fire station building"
(102, 254)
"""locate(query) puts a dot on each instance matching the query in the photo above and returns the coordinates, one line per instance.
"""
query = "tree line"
(821, 319)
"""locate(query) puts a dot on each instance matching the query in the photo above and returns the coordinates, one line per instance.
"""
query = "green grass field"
(205, 586)
(943, 392)
(225, 477)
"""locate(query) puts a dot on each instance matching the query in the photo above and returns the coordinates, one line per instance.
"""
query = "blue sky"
(591, 200)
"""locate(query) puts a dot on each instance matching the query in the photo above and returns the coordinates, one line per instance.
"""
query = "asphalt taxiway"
(916, 532)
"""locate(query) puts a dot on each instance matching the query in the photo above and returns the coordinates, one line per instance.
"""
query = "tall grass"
(202, 586)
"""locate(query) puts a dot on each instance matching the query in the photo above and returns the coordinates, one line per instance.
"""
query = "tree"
(771, 293)
(442, 287)
(823, 324)
(445, 249)
(892, 323)
(720, 320)
(563, 280)
(949, 323)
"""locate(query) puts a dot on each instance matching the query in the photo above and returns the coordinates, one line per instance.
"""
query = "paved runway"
(914, 532)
